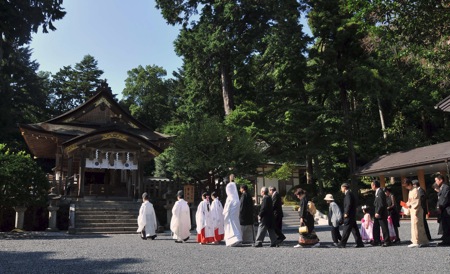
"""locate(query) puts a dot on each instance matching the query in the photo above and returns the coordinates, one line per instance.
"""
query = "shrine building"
(98, 148)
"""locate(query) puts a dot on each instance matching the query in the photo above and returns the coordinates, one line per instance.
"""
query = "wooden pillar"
(382, 181)
(61, 172)
(140, 179)
(421, 177)
(404, 190)
(81, 175)
(70, 178)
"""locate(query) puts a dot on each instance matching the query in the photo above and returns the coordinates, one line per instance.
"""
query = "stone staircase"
(291, 218)
(105, 217)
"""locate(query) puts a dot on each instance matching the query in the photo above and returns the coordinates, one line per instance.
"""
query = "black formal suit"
(444, 207)
(423, 203)
(380, 204)
(278, 214)
(266, 222)
(349, 224)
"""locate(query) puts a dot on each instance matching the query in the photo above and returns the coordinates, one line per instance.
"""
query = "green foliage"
(207, 147)
(149, 97)
(22, 18)
(22, 182)
(242, 181)
(71, 87)
(24, 97)
(284, 172)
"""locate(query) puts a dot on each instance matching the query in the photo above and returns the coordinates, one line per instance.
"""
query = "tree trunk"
(318, 175)
(383, 126)
(1, 51)
(348, 128)
(309, 170)
(227, 89)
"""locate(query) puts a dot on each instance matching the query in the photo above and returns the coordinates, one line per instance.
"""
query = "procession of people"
(234, 222)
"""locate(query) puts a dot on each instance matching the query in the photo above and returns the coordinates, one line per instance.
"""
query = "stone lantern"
(53, 201)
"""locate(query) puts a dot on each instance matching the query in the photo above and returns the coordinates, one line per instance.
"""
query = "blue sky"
(119, 34)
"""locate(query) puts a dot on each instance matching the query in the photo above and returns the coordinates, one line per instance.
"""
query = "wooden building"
(98, 148)
(416, 162)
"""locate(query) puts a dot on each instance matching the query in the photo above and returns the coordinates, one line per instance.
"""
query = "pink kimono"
(366, 230)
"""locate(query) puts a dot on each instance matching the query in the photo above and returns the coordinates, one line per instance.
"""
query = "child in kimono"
(366, 225)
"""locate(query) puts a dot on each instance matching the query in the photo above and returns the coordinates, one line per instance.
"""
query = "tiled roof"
(431, 159)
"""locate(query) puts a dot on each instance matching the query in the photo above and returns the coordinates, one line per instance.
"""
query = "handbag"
(303, 229)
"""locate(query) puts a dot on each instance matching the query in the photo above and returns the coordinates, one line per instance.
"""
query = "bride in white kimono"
(147, 219)
(233, 236)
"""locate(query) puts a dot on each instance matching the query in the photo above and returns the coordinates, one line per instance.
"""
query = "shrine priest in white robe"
(180, 224)
(233, 236)
(147, 219)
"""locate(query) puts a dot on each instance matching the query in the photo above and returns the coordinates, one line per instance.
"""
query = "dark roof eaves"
(384, 170)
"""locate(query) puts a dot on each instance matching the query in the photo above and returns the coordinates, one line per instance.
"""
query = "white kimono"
(217, 216)
(233, 234)
(147, 219)
(180, 224)
(204, 220)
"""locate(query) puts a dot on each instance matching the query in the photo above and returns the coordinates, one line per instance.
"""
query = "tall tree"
(87, 76)
(216, 39)
(72, 86)
(20, 19)
(340, 71)
(248, 57)
(18, 80)
(413, 37)
(149, 97)
(27, 100)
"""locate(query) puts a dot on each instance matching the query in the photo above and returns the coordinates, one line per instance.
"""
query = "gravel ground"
(50, 252)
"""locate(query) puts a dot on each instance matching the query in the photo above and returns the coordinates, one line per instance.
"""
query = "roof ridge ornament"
(104, 87)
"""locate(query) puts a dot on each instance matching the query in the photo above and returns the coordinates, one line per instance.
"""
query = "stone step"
(99, 216)
(83, 223)
(108, 224)
(109, 204)
(107, 212)
(106, 217)
(104, 230)
(109, 207)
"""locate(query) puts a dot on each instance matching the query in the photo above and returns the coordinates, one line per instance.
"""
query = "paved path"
(63, 253)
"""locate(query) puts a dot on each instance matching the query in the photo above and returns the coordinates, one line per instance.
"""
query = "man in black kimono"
(277, 212)
(266, 220)
(349, 218)
(381, 215)
(246, 216)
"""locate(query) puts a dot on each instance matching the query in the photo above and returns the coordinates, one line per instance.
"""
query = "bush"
(22, 182)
